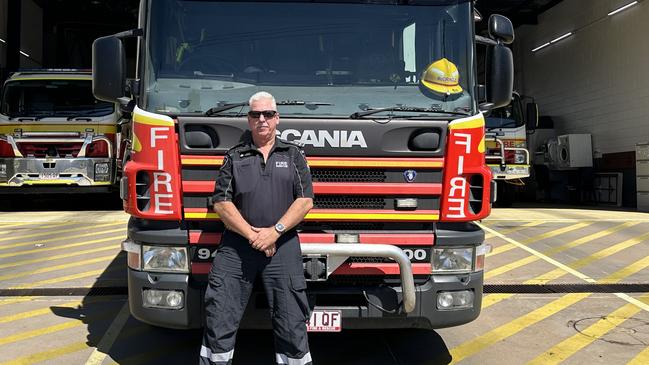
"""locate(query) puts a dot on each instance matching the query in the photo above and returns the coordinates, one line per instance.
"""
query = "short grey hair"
(262, 95)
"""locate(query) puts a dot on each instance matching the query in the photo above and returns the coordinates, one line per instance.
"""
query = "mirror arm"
(484, 40)
(138, 32)
(485, 107)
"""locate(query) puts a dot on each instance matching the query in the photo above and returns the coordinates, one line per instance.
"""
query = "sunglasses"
(266, 113)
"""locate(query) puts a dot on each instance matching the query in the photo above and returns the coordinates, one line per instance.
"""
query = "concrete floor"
(534, 246)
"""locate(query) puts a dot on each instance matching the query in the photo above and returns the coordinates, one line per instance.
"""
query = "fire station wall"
(31, 34)
(3, 33)
(595, 81)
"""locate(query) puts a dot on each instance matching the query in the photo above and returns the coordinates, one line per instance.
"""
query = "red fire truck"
(385, 99)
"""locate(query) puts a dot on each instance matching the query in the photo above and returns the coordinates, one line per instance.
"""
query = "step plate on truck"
(325, 321)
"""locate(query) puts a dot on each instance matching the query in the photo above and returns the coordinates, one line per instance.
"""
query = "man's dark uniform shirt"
(263, 192)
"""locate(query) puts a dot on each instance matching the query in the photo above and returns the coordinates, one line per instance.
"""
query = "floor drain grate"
(564, 288)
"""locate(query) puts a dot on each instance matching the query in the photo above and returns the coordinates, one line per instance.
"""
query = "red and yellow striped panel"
(336, 188)
(348, 215)
(346, 162)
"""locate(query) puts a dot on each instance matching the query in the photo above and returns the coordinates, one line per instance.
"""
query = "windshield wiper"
(311, 105)
(27, 118)
(218, 109)
(406, 109)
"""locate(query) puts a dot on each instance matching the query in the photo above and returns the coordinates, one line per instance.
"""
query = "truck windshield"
(346, 56)
(52, 98)
(510, 116)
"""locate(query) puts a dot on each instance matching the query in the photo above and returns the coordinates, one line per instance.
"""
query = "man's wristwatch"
(280, 228)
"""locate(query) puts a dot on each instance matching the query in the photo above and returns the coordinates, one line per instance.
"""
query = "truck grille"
(356, 175)
(42, 150)
(349, 202)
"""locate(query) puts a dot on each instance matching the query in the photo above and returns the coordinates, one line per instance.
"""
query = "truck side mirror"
(501, 29)
(500, 75)
(531, 116)
(108, 68)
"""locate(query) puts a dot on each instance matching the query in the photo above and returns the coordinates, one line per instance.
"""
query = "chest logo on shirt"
(281, 164)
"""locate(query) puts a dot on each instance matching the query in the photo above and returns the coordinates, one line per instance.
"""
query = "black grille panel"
(349, 202)
(345, 175)
(369, 260)
(370, 227)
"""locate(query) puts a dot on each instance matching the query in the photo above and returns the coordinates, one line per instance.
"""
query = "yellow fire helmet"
(442, 77)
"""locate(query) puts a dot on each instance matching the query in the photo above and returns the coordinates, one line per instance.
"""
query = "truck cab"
(507, 155)
(55, 136)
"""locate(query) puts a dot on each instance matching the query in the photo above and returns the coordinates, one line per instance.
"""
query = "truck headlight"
(165, 258)
(447, 260)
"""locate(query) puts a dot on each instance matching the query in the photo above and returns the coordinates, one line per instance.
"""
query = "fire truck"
(385, 99)
(55, 137)
(506, 140)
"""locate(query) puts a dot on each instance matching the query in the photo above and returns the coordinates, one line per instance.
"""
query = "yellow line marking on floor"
(557, 273)
(492, 299)
(40, 331)
(516, 229)
(12, 225)
(68, 349)
(37, 312)
(103, 348)
(16, 300)
(31, 228)
(81, 275)
(477, 344)
(553, 233)
(77, 244)
(626, 271)
(64, 238)
(49, 233)
(570, 346)
(563, 269)
(48, 310)
(530, 259)
(47, 355)
(51, 329)
(57, 267)
(56, 257)
(641, 359)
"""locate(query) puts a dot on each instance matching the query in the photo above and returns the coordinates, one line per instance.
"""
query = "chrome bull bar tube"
(342, 251)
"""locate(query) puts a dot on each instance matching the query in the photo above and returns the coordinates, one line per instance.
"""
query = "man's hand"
(266, 238)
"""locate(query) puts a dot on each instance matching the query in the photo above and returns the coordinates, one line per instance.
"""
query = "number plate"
(325, 321)
(48, 176)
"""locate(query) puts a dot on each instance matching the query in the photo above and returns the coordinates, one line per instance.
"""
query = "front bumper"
(510, 171)
(25, 172)
(424, 314)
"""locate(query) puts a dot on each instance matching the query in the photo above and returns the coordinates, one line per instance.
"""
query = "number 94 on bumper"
(325, 321)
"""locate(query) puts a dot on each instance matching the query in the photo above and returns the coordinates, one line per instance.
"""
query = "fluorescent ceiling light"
(2, 40)
(561, 37)
(541, 46)
(24, 54)
(622, 8)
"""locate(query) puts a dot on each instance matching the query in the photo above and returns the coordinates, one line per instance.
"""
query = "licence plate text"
(325, 321)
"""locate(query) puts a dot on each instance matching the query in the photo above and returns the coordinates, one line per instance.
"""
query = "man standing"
(263, 191)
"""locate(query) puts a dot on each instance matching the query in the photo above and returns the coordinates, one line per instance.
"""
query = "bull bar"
(339, 253)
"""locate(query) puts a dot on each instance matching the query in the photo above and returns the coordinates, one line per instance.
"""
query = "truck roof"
(51, 74)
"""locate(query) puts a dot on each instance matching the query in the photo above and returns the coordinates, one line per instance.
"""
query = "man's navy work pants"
(235, 267)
